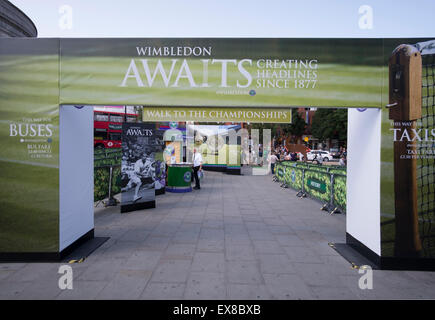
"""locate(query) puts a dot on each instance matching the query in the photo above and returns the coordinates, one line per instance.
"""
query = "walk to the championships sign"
(209, 114)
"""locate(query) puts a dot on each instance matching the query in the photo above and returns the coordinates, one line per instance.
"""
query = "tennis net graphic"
(426, 149)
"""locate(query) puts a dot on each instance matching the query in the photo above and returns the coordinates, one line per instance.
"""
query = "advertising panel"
(29, 153)
(408, 151)
(140, 166)
(223, 72)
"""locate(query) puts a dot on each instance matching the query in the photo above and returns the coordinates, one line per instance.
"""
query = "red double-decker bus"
(108, 125)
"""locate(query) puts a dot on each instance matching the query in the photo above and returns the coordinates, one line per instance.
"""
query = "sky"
(231, 18)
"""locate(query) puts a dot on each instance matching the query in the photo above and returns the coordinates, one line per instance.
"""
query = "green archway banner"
(223, 72)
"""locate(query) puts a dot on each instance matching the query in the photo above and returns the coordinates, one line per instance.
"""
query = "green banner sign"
(29, 155)
(222, 72)
(317, 185)
(208, 114)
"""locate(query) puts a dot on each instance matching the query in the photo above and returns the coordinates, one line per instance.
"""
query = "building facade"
(14, 23)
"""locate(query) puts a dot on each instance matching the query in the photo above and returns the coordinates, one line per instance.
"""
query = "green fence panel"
(116, 180)
(107, 157)
(318, 169)
(101, 183)
(294, 177)
(280, 170)
(316, 181)
(103, 160)
(340, 191)
(318, 185)
(102, 179)
(340, 171)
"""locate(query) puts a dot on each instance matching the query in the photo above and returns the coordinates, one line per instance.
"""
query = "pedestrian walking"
(197, 166)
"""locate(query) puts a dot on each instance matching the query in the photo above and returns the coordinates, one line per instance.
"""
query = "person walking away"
(268, 156)
(273, 160)
(197, 166)
(320, 160)
(276, 153)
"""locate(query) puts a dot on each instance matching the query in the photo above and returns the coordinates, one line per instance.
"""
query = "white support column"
(363, 220)
(76, 173)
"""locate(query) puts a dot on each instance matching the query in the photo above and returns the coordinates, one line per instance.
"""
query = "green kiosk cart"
(179, 177)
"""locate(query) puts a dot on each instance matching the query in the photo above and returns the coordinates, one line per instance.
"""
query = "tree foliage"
(298, 125)
(283, 130)
(330, 124)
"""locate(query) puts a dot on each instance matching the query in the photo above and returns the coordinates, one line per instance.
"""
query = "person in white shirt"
(197, 166)
(273, 160)
(173, 159)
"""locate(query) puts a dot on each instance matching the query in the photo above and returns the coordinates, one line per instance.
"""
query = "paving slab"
(205, 245)
(267, 247)
(163, 291)
(240, 252)
(128, 284)
(315, 274)
(13, 290)
(102, 270)
(32, 272)
(275, 264)
(142, 260)
(332, 293)
(248, 292)
(83, 290)
(302, 254)
(208, 262)
(287, 286)
(172, 271)
(179, 251)
(244, 272)
(206, 285)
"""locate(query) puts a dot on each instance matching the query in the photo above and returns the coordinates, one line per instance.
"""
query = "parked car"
(316, 154)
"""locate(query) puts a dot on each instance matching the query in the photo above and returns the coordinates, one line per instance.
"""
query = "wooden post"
(405, 72)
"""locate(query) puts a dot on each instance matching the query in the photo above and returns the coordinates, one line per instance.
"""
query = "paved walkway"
(239, 237)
